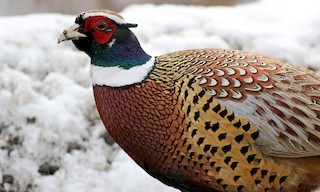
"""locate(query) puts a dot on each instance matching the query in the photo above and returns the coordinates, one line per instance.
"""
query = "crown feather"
(118, 19)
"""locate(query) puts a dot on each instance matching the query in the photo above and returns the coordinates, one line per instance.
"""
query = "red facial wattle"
(102, 34)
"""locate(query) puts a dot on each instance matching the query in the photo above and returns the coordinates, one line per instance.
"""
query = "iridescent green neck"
(124, 51)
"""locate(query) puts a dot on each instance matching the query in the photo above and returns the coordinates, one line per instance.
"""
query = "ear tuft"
(130, 25)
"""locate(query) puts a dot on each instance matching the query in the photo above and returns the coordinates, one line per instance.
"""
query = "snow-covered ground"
(51, 137)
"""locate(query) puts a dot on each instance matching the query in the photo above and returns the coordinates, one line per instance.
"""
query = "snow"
(51, 137)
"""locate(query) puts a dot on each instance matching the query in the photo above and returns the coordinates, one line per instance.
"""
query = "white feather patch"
(118, 77)
(203, 81)
(109, 15)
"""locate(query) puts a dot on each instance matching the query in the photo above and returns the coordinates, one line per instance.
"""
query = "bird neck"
(121, 62)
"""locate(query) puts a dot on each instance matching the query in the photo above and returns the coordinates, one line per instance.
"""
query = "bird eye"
(102, 25)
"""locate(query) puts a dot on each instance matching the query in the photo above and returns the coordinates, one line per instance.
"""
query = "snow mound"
(51, 137)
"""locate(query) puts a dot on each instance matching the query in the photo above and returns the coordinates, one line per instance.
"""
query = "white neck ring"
(117, 77)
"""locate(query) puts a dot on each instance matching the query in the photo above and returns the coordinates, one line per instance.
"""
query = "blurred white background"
(17, 7)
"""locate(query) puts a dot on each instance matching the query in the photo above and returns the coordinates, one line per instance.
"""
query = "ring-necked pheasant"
(204, 119)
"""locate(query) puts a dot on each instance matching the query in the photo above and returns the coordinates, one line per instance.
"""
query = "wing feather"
(281, 100)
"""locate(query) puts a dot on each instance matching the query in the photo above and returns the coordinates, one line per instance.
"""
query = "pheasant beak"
(71, 34)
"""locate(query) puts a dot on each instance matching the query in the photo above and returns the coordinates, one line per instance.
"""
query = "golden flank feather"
(249, 122)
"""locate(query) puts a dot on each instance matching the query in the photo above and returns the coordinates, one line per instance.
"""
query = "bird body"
(204, 119)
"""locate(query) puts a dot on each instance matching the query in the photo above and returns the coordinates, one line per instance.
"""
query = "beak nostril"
(65, 32)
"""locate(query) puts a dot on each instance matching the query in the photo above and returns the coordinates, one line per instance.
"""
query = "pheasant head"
(116, 56)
